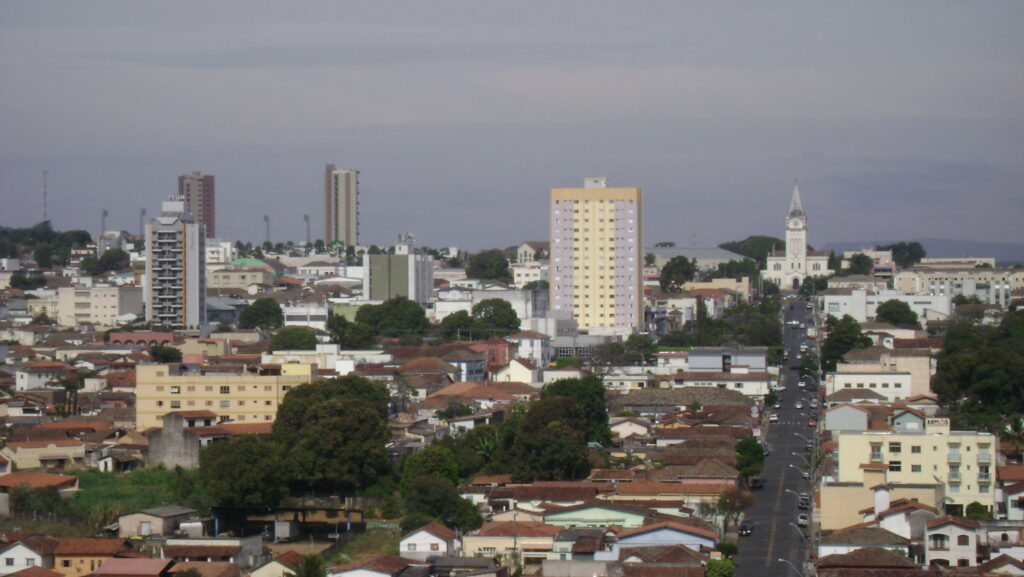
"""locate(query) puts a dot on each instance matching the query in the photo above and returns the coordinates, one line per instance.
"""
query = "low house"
(34, 572)
(53, 454)
(515, 542)
(867, 561)
(952, 542)
(850, 539)
(598, 514)
(281, 566)
(214, 569)
(63, 483)
(159, 521)
(78, 557)
(664, 534)
(134, 567)
(246, 552)
(432, 540)
(33, 551)
(381, 566)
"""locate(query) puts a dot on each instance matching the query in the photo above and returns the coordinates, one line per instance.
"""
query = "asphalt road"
(775, 532)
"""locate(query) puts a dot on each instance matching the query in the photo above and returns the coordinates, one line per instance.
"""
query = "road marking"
(771, 534)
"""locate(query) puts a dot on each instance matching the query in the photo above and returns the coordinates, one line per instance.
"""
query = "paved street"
(774, 516)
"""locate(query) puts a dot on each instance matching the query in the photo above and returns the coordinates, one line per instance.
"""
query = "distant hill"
(1005, 253)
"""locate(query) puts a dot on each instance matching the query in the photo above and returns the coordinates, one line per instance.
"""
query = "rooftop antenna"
(305, 218)
(266, 221)
(45, 213)
(142, 220)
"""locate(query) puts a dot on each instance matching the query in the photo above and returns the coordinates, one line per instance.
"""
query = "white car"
(801, 384)
(799, 405)
(773, 418)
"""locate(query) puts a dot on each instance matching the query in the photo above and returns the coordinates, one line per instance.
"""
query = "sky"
(900, 119)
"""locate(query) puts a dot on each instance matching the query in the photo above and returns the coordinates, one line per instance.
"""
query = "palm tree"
(312, 565)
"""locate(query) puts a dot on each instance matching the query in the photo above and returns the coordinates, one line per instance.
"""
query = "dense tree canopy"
(496, 317)
(588, 395)
(293, 339)
(749, 457)
(264, 314)
(980, 374)
(859, 264)
(676, 272)
(162, 354)
(898, 313)
(844, 335)
(245, 471)
(349, 335)
(489, 265)
(755, 247)
(394, 317)
(905, 254)
(436, 460)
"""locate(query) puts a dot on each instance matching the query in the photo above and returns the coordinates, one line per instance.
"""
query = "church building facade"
(789, 268)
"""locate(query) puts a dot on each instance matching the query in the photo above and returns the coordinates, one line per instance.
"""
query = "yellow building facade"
(240, 396)
(596, 259)
(962, 461)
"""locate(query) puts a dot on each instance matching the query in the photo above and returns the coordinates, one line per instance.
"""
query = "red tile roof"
(510, 528)
(437, 530)
(671, 525)
(90, 547)
(37, 480)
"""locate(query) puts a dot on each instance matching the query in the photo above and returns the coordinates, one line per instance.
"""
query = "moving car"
(812, 423)
(799, 405)
(746, 528)
(802, 384)
(773, 418)
(802, 520)
(756, 483)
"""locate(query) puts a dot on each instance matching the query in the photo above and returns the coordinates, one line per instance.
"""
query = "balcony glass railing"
(954, 477)
(953, 457)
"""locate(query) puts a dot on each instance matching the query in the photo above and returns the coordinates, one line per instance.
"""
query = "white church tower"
(789, 269)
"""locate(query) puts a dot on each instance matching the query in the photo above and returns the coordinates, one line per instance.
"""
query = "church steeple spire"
(796, 208)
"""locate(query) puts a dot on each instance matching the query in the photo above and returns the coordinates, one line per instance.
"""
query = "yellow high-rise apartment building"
(597, 256)
(234, 394)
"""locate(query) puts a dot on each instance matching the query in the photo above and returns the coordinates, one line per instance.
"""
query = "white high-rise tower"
(175, 268)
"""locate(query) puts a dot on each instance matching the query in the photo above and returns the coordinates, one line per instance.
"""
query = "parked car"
(802, 520)
(803, 504)
(756, 483)
(773, 418)
(799, 405)
(746, 528)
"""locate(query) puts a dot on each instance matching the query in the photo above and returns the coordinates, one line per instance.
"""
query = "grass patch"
(367, 544)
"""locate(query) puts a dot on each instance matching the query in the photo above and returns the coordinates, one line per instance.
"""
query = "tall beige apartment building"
(233, 393)
(597, 256)
(199, 192)
(341, 205)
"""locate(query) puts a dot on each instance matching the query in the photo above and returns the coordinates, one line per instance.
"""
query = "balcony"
(876, 457)
(953, 457)
(984, 477)
(984, 457)
(954, 477)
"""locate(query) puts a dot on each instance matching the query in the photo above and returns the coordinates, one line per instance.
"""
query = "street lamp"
(808, 463)
(790, 563)
(798, 530)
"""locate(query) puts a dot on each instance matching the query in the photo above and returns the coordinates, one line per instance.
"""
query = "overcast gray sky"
(900, 119)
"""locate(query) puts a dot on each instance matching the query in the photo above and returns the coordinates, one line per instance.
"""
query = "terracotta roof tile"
(671, 526)
(90, 547)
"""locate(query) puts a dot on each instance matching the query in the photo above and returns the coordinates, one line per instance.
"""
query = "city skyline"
(899, 122)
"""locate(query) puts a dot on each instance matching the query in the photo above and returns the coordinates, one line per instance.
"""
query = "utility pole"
(266, 221)
(103, 222)
(305, 218)
(142, 221)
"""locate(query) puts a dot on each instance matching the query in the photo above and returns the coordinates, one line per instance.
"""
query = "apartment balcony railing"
(953, 458)
(984, 457)
(985, 477)
(954, 477)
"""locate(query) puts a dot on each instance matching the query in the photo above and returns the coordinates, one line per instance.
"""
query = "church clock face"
(794, 223)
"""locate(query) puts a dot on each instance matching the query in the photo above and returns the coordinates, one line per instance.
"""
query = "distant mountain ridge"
(1005, 253)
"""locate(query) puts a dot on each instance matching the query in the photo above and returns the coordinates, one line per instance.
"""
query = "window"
(225, 390)
(435, 547)
(225, 404)
(915, 449)
(175, 390)
(895, 447)
(65, 563)
(9, 561)
(896, 466)
(30, 562)
(915, 468)
(411, 547)
(175, 404)
(876, 451)
(962, 540)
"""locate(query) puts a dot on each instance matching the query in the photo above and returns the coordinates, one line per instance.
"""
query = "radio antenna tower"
(266, 221)
(103, 222)
(142, 220)
(46, 215)
(305, 217)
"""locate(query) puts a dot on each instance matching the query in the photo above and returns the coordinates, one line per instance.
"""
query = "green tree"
(721, 568)
(336, 430)
(898, 313)
(395, 317)
(554, 452)
(732, 502)
(43, 255)
(349, 335)
(749, 457)
(311, 565)
(536, 285)
(457, 326)
(677, 271)
(165, 355)
(905, 254)
(976, 510)
(438, 498)
(588, 395)
(436, 460)
(754, 247)
(489, 265)
(844, 335)
(495, 317)
(114, 259)
(294, 338)
(23, 282)
(264, 314)
(860, 264)
(245, 471)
